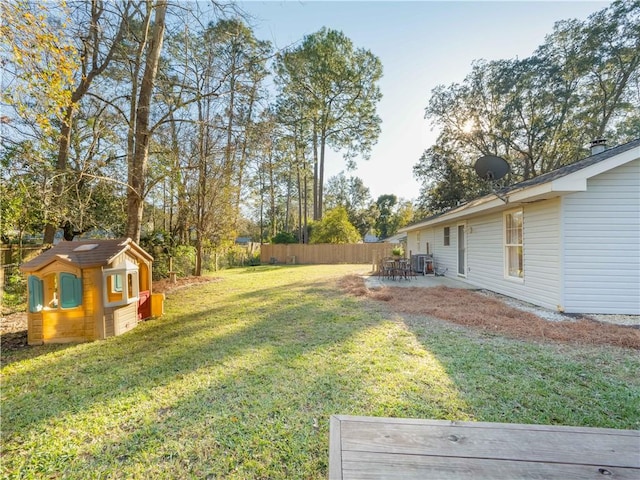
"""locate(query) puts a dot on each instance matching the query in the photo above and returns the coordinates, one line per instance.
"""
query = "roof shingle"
(83, 257)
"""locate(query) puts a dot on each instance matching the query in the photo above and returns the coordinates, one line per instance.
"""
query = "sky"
(421, 44)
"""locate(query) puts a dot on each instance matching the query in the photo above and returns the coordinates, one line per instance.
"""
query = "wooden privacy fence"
(325, 253)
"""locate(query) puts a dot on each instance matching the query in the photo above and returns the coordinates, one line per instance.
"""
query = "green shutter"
(70, 290)
(36, 293)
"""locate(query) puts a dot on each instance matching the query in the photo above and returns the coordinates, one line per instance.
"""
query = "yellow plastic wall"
(157, 304)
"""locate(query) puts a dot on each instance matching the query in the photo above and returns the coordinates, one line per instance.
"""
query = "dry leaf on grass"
(468, 308)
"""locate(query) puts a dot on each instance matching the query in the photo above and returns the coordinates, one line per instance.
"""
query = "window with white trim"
(121, 284)
(513, 244)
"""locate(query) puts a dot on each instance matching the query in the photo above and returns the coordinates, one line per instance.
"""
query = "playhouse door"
(144, 305)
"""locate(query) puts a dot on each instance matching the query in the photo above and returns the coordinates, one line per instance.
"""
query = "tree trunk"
(202, 188)
(315, 174)
(94, 69)
(299, 182)
(243, 155)
(61, 166)
(138, 167)
(287, 204)
(323, 141)
(305, 229)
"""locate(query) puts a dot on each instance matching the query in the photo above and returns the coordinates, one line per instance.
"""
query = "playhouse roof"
(85, 253)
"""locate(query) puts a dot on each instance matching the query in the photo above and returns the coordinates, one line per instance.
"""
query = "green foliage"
(285, 237)
(184, 258)
(447, 181)
(335, 228)
(354, 196)
(330, 89)
(391, 214)
(540, 112)
(14, 294)
(167, 255)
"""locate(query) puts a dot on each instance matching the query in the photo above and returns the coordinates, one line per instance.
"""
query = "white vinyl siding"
(602, 244)
(542, 253)
(446, 256)
(541, 250)
(581, 249)
(418, 240)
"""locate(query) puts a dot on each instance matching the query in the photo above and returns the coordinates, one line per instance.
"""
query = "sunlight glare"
(468, 126)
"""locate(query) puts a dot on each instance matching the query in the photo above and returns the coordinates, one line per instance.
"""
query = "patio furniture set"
(406, 268)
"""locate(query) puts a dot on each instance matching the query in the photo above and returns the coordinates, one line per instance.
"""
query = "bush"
(184, 260)
(284, 237)
(335, 228)
(14, 294)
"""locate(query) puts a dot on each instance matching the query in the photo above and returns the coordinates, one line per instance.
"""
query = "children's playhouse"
(88, 290)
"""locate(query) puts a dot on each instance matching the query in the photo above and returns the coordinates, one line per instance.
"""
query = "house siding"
(602, 244)
(445, 257)
(420, 241)
(485, 254)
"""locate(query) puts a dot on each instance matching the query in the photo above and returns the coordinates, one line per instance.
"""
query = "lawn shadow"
(101, 374)
(242, 386)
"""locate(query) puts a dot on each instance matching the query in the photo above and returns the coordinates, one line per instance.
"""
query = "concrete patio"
(423, 281)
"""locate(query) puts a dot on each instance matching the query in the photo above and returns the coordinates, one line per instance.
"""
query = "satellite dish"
(491, 167)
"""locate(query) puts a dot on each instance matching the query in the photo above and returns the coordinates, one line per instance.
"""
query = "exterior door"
(462, 250)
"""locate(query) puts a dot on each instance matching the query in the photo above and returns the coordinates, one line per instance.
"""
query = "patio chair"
(388, 268)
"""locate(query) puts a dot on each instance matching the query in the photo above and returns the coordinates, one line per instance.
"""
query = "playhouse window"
(62, 290)
(122, 286)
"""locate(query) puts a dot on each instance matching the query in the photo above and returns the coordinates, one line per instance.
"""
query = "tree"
(137, 173)
(390, 214)
(610, 50)
(335, 87)
(59, 74)
(335, 228)
(40, 61)
(539, 113)
(296, 127)
(354, 196)
(446, 181)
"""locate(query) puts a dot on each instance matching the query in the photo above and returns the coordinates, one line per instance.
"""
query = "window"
(447, 236)
(513, 244)
(62, 290)
(116, 283)
(122, 284)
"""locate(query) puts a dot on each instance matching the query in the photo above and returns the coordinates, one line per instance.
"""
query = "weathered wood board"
(387, 448)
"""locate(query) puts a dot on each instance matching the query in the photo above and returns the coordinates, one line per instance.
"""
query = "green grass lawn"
(239, 377)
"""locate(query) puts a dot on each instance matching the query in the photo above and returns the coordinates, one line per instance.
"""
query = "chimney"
(598, 146)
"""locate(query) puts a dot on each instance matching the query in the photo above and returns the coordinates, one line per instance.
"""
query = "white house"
(566, 240)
